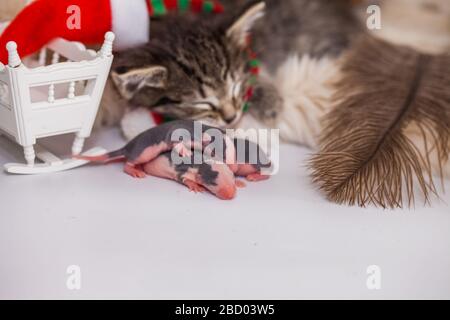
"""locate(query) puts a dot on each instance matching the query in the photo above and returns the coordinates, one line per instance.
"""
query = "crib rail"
(7, 121)
(86, 69)
(83, 76)
(70, 51)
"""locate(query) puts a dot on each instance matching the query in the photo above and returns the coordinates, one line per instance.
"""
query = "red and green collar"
(254, 69)
(159, 8)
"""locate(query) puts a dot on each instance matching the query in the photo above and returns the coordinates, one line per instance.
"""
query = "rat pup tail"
(367, 153)
(105, 158)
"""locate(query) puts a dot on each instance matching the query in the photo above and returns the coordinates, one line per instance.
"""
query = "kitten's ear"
(241, 26)
(129, 82)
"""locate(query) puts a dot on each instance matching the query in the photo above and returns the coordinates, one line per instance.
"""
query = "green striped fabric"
(254, 63)
(159, 9)
(246, 107)
(208, 6)
(184, 5)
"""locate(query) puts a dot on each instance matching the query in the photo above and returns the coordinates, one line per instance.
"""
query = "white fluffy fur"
(305, 85)
(131, 23)
(135, 122)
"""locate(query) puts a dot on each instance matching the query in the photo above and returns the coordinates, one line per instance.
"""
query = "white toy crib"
(51, 100)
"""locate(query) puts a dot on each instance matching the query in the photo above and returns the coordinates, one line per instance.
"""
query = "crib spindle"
(42, 57)
(71, 93)
(13, 56)
(106, 49)
(55, 58)
(51, 93)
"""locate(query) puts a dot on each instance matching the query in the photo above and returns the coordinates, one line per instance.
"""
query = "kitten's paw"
(266, 103)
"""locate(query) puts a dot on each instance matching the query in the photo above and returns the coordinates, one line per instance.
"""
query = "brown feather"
(366, 156)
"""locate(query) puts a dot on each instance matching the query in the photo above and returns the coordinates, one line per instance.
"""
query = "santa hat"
(87, 21)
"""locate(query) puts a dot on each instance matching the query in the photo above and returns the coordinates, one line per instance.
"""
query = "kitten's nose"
(230, 120)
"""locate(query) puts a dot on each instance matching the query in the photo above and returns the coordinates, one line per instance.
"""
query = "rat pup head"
(218, 179)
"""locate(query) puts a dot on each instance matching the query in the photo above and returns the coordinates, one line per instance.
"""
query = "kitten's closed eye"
(206, 106)
(121, 70)
(211, 104)
(166, 101)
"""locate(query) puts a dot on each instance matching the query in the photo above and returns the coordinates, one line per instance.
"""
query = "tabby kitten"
(197, 68)
(192, 68)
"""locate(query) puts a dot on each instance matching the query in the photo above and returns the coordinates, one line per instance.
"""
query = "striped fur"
(203, 64)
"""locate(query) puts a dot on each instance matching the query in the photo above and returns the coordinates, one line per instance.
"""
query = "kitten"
(192, 68)
(180, 73)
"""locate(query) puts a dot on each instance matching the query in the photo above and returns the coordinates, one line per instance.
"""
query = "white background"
(151, 238)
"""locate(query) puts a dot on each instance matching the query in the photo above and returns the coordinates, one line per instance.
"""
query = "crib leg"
(29, 155)
(77, 146)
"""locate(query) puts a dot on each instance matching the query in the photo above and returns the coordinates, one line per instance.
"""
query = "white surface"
(153, 239)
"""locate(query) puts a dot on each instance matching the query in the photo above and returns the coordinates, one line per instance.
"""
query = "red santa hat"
(88, 20)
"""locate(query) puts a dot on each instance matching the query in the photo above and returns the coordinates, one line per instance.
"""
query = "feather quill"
(366, 156)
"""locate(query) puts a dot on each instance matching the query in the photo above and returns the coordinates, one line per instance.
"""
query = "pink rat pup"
(153, 142)
(252, 163)
(210, 175)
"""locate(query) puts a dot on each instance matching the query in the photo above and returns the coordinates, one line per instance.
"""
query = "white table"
(153, 239)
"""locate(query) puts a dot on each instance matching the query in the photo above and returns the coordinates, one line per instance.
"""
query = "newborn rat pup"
(213, 176)
(251, 160)
(155, 141)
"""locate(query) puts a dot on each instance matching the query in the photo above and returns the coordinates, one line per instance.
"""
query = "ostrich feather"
(366, 155)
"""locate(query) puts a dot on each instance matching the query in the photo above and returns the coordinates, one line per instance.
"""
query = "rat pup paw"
(194, 186)
(256, 177)
(240, 184)
(134, 172)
